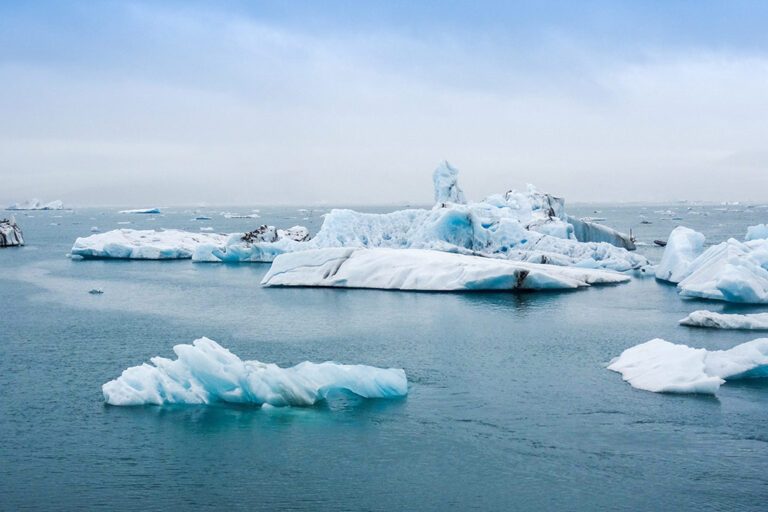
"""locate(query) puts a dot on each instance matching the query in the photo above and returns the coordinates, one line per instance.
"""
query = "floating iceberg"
(758, 232)
(36, 204)
(144, 244)
(664, 367)
(520, 226)
(703, 318)
(205, 372)
(731, 271)
(262, 244)
(142, 211)
(10, 233)
(683, 246)
(418, 269)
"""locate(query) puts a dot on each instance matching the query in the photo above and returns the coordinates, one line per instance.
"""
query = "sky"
(342, 102)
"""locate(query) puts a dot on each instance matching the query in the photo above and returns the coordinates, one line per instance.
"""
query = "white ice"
(144, 244)
(758, 232)
(205, 372)
(664, 367)
(446, 183)
(731, 271)
(704, 318)
(683, 246)
(142, 210)
(36, 204)
(425, 270)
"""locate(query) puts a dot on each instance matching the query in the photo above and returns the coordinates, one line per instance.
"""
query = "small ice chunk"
(703, 318)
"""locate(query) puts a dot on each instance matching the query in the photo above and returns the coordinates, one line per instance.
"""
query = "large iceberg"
(424, 270)
(683, 246)
(522, 226)
(36, 204)
(10, 233)
(731, 271)
(664, 367)
(704, 318)
(205, 372)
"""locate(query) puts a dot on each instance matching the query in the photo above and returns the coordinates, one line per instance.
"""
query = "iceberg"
(664, 367)
(10, 233)
(262, 244)
(703, 318)
(758, 232)
(143, 244)
(36, 204)
(587, 230)
(424, 270)
(683, 246)
(205, 372)
(142, 211)
(731, 271)
(446, 181)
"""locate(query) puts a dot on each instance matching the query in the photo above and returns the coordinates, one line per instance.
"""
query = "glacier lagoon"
(509, 403)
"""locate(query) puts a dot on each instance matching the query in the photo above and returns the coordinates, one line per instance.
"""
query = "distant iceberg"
(36, 204)
(424, 270)
(664, 367)
(10, 233)
(703, 318)
(731, 271)
(142, 211)
(205, 372)
(758, 232)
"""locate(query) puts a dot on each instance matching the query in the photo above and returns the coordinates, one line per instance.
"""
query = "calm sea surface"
(510, 405)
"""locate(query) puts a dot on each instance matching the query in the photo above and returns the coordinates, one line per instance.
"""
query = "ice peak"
(446, 180)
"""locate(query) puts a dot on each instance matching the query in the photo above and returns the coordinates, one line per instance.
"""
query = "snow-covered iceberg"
(664, 367)
(683, 246)
(731, 271)
(424, 270)
(36, 204)
(10, 233)
(205, 372)
(704, 318)
(142, 211)
(144, 244)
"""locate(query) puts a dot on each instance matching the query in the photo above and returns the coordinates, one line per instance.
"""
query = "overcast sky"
(350, 102)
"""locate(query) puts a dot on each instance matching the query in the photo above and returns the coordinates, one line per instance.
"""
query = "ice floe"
(704, 318)
(425, 270)
(205, 372)
(664, 367)
(36, 204)
(144, 244)
(10, 233)
(142, 211)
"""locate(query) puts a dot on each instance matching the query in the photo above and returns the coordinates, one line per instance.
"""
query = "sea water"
(510, 406)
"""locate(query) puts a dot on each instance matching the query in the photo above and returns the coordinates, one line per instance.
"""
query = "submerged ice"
(664, 367)
(205, 372)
